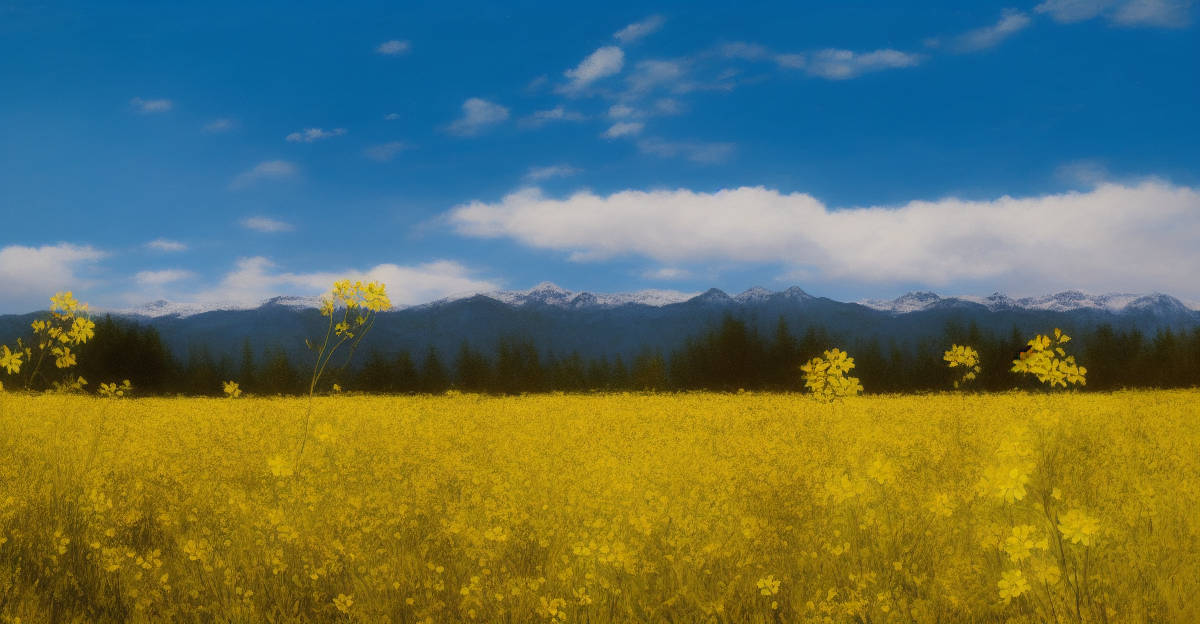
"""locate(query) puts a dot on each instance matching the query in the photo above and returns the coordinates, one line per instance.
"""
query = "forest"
(729, 357)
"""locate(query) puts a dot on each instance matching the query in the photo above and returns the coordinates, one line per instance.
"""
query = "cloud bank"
(1114, 237)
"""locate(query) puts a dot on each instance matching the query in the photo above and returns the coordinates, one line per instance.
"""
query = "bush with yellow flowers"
(826, 377)
(1046, 359)
(966, 358)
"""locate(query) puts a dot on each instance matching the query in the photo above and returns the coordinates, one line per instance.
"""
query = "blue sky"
(221, 151)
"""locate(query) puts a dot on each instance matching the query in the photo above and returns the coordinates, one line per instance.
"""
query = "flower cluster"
(1048, 361)
(966, 358)
(826, 376)
(67, 327)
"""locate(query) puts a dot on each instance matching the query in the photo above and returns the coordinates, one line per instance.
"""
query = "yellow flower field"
(602, 508)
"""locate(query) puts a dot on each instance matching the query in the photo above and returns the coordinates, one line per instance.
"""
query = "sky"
(229, 152)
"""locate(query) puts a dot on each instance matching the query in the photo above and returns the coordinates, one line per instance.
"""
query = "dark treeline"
(729, 357)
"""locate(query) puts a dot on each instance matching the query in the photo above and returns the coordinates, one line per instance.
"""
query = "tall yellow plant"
(352, 308)
(69, 325)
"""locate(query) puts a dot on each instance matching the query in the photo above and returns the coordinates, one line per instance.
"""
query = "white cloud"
(844, 64)
(310, 135)
(1159, 13)
(395, 47)
(1136, 238)
(1082, 173)
(619, 111)
(266, 170)
(256, 279)
(162, 278)
(166, 244)
(623, 128)
(637, 30)
(558, 113)
(602, 63)
(695, 151)
(266, 225)
(30, 275)
(478, 114)
(791, 61)
(223, 124)
(537, 174)
(150, 106)
(1011, 22)
(392, 116)
(385, 151)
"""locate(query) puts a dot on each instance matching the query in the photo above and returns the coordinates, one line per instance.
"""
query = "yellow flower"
(1078, 527)
(768, 586)
(1012, 584)
(280, 467)
(10, 361)
(343, 603)
(1019, 544)
(232, 390)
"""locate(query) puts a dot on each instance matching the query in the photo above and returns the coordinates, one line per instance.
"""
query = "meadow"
(649, 507)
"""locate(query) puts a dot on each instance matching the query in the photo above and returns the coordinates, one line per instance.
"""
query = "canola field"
(602, 508)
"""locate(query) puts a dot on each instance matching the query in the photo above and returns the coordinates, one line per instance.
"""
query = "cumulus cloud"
(395, 47)
(146, 107)
(602, 63)
(266, 170)
(623, 129)
(166, 244)
(162, 277)
(558, 113)
(30, 275)
(537, 174)
(1155, 13)
(266, 225)
(1135, 238)
(1011, 22)
(695, 151)
(257, 278)
(637, 30)
(385, 151)
(478, 114)
(311, 135)
(844, 64)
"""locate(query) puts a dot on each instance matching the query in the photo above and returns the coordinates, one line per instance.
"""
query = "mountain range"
(563, 321)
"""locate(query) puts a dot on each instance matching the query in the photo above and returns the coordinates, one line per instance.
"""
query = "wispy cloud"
(395, 47)
(1011, 22)
(558, 113)
(604, 62)
(392, 116)
(266, 170)
(29, 275)
(537, 174)
(385, 151)
(311, 135)
(223, 124)
(667, 274)
(166, 244)
(478, 115)
(695, 151)
(266, 225)
(835, 64)
(637, 30)
(1135, 238)
(162, 277)
(146, 107)
(1153, 13)
(624, 129)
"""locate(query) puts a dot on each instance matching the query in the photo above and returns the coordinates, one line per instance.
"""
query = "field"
(602, 508)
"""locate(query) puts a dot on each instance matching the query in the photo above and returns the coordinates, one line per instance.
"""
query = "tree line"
(732, 355)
